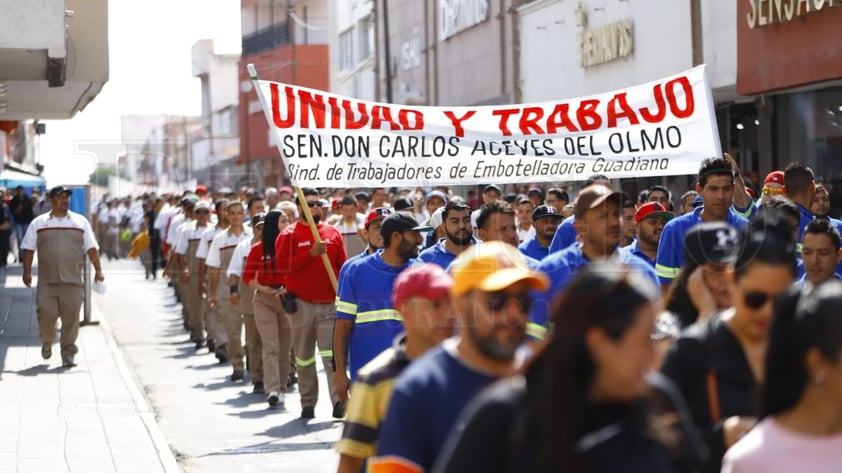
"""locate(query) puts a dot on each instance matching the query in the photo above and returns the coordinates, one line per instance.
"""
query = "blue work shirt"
(671, 246)
(565, 235)
(440, 255)
(561, 268)
(533, 249)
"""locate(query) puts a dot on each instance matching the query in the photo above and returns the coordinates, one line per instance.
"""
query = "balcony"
(53, 61)
(266, 39)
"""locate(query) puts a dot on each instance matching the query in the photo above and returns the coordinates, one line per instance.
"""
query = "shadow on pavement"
(32, 371)
(297, 427)
(268, 447)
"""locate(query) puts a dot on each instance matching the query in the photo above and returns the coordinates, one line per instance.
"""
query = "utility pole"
(387, 51)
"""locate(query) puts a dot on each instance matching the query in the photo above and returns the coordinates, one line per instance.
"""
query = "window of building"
(346, 50)
(366, 30)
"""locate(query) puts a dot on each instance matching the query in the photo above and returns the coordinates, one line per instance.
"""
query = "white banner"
(662, 128)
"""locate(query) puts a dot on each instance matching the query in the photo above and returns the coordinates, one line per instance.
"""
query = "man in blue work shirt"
(649, 222)
(458, 232)
(366, 321)
(800, 188)
(597, 213)
(565, 234)
(715, 186)
(545, 220)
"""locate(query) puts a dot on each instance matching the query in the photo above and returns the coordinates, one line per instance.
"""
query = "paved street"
(164, 393)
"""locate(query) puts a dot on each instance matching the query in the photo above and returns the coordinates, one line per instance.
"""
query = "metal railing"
(266, 39)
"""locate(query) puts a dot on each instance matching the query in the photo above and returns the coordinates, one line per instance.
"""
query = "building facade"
(215, 151)
(287, 41)
(446, 52)
(352, 51)
(790, 61)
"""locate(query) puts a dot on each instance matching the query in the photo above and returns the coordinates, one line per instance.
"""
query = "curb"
(165, 454)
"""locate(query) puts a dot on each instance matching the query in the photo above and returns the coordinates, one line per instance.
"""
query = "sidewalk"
(89, 418)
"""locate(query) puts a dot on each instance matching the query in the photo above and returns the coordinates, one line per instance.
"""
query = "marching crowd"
(522, 332)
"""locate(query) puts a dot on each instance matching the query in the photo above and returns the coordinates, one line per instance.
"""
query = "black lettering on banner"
(630, 165)
(645, 140)
(414, 146)
(302, 173)
(557, 169)
(534, 147)
(389, 172)
(302, 146)
(351, 146)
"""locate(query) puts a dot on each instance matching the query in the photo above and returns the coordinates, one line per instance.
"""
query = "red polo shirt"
(306, 276)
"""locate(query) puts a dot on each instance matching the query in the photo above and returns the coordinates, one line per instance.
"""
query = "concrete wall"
(550, 56)
(359, 82)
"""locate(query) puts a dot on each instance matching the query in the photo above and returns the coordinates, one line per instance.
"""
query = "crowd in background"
(537, 330)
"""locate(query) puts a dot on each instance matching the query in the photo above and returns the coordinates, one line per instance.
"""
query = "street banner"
(666, 127)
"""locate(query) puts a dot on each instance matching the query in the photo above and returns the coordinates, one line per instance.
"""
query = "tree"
(100, 176)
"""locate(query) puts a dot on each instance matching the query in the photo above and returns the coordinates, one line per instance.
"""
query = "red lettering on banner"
(350, 123)
(280, 122)
(559, 119)
(504, 115)
(314, 104)
(334, 116)
(529, 120)
(624, 112)
(661, 111)
(459, 131)
(689, 100)
(589, 118)
(379, 114)
(417, 118)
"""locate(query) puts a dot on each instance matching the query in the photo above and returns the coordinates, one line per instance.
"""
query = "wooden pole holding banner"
(298, 192)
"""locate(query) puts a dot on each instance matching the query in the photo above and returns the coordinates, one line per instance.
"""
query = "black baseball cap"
(492, 187)
(402, 204)
(258, 219)
(363, 195)
(401, 221)
(545, 211)
(711, 242)
(59, 190)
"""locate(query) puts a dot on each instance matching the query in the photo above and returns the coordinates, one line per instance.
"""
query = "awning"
(11, 179)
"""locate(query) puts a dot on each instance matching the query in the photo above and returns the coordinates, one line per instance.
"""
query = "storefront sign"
(456, 16)
(662, 128)
(605, 44)
(783, 44)
(411, 51)
(766, 12)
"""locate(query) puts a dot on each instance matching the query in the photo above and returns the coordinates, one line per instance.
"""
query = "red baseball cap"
(775, 176)
(652, 208)
(426, 280)
(375, 214)
(201, 189)
(286, 189)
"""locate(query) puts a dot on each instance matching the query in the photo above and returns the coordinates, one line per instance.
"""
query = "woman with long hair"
(272, 321)
(801, 407)
(585, 403)
(717, 363)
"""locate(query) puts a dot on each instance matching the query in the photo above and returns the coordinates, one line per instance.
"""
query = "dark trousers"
(5, 245)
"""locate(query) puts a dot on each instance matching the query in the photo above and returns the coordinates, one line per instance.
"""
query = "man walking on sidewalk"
(313, 313)
(62, 238)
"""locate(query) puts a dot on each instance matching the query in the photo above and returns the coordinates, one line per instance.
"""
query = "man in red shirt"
(307, 283)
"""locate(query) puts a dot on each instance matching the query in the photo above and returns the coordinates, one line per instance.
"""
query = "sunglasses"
(773, 190)
(756, 299)
(314, 203)
(497, 301)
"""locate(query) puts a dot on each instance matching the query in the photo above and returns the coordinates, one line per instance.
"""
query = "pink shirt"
(771, 448)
